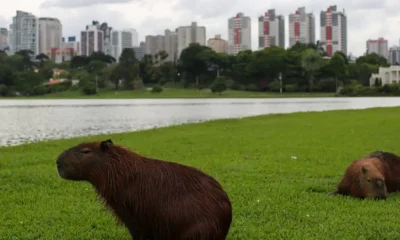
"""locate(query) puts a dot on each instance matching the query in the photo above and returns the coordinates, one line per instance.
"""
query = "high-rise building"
(171, 45)
(50, 34)
(72, 43)
(190, 34)
(92, 40)
(135, 36)
(119, 41)
(3, 39)
(394, 55)
(25, 33)
(271, 30)
(333, 35)
(106, 36)
(218, 44)
(239, 33)
(378, 46)
(139, 51)
(301, 27)
(154, 44)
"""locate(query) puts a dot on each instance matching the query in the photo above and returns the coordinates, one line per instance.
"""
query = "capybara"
(372, 176)
(154, 199)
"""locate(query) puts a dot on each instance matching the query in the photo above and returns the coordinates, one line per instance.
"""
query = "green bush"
(237, 86)
(291, 88)
(3, 90)
(156, 89)
(219, 85)
(89, 89)
(360, 90)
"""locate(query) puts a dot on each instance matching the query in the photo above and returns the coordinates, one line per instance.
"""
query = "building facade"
(239, 33)
(4, 39)
(171, 45)
(378, 46)
(394, 55)
(271, 30)
(154, 44)
(119, 41)
(333, 35)
(92, 40)
(190, 34)
(218, 44)
(139, 51)
(60, 55)
(72, 43)
(25, 33)
(50, 34)
(301, 27)
(386, 75)
(135, 36)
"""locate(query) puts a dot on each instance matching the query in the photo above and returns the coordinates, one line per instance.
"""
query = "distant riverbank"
(172, 93)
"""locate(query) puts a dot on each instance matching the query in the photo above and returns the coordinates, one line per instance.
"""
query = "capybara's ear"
(364, 170)
(104, 145)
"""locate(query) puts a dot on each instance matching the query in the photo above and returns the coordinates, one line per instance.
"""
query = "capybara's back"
(154, 199)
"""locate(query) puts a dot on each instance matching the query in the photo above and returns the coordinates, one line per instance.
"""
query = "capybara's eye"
(369, 180)
(85, 150)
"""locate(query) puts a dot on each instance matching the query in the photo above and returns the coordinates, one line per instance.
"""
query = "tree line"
(301, 68)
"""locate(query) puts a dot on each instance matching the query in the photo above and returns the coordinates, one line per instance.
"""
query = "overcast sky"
(366, 18)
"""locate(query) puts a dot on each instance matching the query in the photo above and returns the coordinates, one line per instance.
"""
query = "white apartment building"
(301, 27)
(394, 55)
(239, 33)
(190, 34)
(378, 46)
(50, 34)
(135, 36)
(119, 41)
(92, 40)
(333, 35)
(271, 30)
(25, 33)
(3, 39)
(387, 75)
(171, 45)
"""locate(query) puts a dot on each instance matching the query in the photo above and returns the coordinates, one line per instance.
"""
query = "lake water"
(34, 120)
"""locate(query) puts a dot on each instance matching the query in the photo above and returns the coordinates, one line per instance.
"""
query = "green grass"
(274, 196)
(172, 93)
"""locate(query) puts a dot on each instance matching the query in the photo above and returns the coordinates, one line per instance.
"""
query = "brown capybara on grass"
(154, 199)
(372, 176)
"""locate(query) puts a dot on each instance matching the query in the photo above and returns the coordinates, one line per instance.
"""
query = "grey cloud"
(3, 22)
(206, 8)
(74, 21)
(79, 3)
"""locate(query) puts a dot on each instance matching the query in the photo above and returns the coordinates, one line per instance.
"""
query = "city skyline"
(154, 20)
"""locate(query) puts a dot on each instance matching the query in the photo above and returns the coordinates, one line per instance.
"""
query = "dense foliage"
(301, 68)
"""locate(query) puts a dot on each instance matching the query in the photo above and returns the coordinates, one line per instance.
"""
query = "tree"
(192, 62)
(373, 59)
(311, 62)
(219, 85)
(128, 56)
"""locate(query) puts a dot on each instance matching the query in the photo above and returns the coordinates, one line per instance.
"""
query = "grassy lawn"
(173, 93)
(278, 171)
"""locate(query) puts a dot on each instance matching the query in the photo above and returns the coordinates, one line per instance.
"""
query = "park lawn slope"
(278, 171)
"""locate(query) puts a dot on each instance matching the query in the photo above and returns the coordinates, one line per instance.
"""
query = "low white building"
(387, 75)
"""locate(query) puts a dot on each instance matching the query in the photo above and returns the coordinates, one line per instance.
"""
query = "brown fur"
(372, 176)
(154, 199)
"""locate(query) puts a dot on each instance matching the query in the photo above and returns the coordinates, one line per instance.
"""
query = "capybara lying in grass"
(372, 176)
(154, 199)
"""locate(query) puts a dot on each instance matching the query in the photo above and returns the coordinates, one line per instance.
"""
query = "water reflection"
(35, 120)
